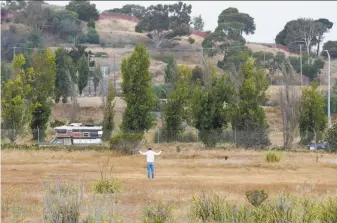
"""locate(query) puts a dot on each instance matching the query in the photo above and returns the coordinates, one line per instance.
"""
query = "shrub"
(103, 43)
(126, 143)
(162, 58)
(100, 54)
(328, 210)
(91, 24)
(108, 186)
(191, 40)
(213, 208)
(81, 38)
(331, 138)
(56, 123)
(256, 197)
(159, 213)
(61, 202)
(92, 36)
(12, 29)
(178, 149)
(273, 157)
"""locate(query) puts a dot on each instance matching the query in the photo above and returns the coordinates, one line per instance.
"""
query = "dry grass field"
(179, 176)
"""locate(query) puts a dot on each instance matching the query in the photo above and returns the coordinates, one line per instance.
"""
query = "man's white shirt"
(150, 155)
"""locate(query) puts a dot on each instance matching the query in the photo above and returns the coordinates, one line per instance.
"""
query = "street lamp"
(329, 115)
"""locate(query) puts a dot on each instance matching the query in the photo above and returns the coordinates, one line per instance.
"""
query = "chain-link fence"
(156, 135)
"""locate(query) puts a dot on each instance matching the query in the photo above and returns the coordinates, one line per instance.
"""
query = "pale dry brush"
(62, 201)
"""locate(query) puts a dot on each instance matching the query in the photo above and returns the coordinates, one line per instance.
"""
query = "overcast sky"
(270, 16)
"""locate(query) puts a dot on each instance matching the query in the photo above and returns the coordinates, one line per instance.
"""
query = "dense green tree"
(331, 138)
(65, 23)
(331, 46)
(312, 116)
(84, 9)
(65, 75)
(197, 74)
(307, 32)
(161, 91)
(43, 82)
(14, 107)
(137, 91)
(5, 71)
(231, 25)
(165, 22)
(131, 10)
(97, 77)
(92, 36)
(324, 25)
(34, 40)
(333, 99)
(171, 71)
(198, 23)
(91, 24)
(175, 111)
(83, 73)
(311, 69)
(78, 51)
(209, 109)
(109, 113)
(228, 35)
(248, 117)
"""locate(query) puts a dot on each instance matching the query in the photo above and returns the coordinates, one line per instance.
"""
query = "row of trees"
(218, 104)
(37, 78)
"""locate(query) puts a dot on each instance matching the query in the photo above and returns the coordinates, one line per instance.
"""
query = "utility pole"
(89, 72)
(329, 75)
(115, 73)
(14, 51)
(301, 62)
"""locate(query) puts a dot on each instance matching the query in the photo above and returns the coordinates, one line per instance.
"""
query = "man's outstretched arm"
(141, 152)
(158, 153)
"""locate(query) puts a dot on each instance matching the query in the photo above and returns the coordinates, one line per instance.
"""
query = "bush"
(108, 186)
(191, 40)
(331, 138)
(62, 201)
(92, 36)
(256, 197)
(328, 210)
(81, 38)
(57, 123)
(91, 24)
(126, 143)
(159, 213)
(213, 208)
(100, 54)
(273, 157)
(101, 208)
(103, 43)
(162, 58)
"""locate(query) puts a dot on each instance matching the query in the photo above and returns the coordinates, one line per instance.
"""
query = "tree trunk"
(318, 46)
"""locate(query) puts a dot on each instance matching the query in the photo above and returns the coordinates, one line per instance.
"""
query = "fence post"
(197, 131)
(38, 136)
(157, 135)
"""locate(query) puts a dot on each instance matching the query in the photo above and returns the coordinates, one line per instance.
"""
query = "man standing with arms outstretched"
(150, 161)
